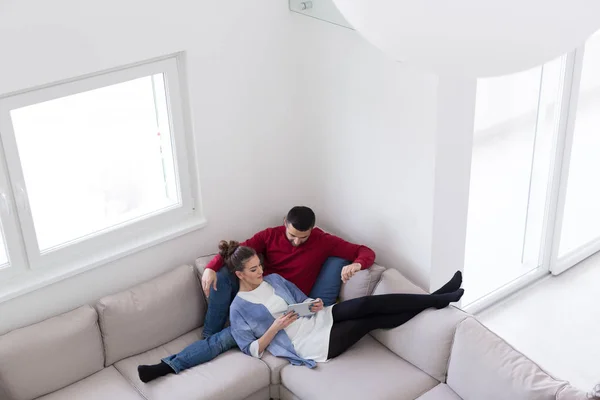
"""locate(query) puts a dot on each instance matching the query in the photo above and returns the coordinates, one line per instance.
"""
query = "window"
(533, 204)
(91, 165)
(581, 220)
(514, 136)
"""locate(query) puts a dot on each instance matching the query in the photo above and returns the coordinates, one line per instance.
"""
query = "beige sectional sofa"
(92, 353)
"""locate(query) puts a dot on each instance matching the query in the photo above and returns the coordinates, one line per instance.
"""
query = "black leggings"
(354, 318)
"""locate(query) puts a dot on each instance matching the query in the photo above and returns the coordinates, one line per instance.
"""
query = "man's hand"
(209, 278)
(316, 306)
(349, 270)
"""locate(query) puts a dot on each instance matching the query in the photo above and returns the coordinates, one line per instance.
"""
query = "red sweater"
(301, 265)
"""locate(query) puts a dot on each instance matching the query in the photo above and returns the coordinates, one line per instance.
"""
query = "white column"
(453, 148)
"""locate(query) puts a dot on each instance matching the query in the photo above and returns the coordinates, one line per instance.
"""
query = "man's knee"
(329, 281)
(224, 276)
(225, 282)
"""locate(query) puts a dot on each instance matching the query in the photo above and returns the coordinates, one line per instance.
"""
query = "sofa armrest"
(484, 366)
(569, 392)
(426, 340)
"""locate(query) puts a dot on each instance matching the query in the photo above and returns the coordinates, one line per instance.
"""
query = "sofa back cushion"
(202, 262)
(151, 314)
(362, 283)
(484, 366)
(392, 281)
(50, 355)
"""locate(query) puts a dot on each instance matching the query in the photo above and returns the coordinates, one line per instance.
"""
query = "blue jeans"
(218, 340)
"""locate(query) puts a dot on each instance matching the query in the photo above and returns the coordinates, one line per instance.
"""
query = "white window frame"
(29, 267)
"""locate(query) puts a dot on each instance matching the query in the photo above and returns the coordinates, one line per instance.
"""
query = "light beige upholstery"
(287, 395)
(362, 283)
(202, 262)
(50, 355)
(393, 281)
(150, 314)
(275, 364)
(366, 371)
(262, 394)
(568, 392)
(425, 340)
(232, 375)
(440, 392)
(63, 358)
(107, 384)
(483, 366)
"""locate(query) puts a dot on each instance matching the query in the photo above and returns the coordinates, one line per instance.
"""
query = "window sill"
(32, 280)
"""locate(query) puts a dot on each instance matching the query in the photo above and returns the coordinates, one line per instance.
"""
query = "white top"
(309, 335)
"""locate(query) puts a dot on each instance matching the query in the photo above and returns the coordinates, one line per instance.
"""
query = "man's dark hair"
(302, 218)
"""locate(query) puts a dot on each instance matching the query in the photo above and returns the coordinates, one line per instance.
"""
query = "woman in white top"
(259, 320)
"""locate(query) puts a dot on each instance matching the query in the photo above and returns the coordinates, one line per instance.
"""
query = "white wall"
(241, 72)
(286, 110)
(374, 125)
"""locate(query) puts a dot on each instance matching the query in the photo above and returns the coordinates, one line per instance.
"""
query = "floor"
(556, 322)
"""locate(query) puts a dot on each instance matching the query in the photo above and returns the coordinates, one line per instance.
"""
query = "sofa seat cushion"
(483, 366)
(232, 375)
(150, 314)
(103, 385)
(368, 370)
(275, 364)
(47, 356)
(440, 392)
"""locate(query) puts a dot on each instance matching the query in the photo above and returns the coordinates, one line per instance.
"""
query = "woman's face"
(252, 273)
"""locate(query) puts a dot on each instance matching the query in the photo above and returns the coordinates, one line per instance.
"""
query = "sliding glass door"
(513, 142)
(534, 202)
(580, 225)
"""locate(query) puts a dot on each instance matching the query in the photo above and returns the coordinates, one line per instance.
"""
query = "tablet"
(302, 309)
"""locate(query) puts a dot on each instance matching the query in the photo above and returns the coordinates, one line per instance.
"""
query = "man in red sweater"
(313, 260)
(297, 251)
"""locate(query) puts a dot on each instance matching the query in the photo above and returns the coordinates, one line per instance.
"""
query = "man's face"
(295, 236)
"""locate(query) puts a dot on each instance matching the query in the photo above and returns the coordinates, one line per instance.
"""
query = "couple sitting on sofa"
(299, 259)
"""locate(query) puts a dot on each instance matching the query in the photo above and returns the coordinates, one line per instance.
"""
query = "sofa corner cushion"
(440, 392)
(362, 283)
(150, 314)
(47, 356)
(426, 340)
(104, 385)
(484, 366)
(392, 281)
(365, 371)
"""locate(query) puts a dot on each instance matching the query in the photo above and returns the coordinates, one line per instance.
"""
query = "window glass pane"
(96, 159)
(581, 221)
(513, 136)
(3, 255)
